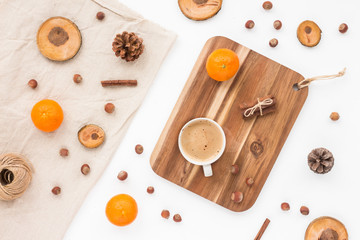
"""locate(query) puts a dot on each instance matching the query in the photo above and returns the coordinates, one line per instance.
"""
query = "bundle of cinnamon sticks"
(258, 107)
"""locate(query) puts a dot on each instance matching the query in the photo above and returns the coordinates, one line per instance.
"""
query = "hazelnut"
(277, 24)
(249, 24)
(122, 175)
(273, 42)
(237, 197)
(100, 16)
(85, 169)
(109, 108)
(77, 78)
(267, 5)
(234, 169)
(249, 181)
(56, 190)
(32, 83)
(343, 28)
(285, 206)
(177, 218)
(334, 116)
(64, 152)
(150, 189)
(139, 149)
(165, 214)
(304, 210)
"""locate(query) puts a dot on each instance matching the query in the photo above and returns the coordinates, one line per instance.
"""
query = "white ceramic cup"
(206, 165)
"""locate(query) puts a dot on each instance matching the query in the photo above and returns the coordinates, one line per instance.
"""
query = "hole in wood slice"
(6, 177)
(309, 33)
(58, 39)
(58, 36)
(200, 1)
(199, 9)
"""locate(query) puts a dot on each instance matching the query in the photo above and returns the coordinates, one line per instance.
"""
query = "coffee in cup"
(202, 142)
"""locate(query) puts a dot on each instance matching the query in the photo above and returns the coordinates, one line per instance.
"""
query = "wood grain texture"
(253, 144)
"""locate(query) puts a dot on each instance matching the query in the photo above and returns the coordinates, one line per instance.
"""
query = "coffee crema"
(201, 141)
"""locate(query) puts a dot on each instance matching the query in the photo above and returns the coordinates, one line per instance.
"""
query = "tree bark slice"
(58, 39)
(309, 33)
(199, 9)
(323, 227)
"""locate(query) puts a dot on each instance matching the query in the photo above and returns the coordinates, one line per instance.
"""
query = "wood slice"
(322, 226)
(252, 144)
(309, 33)
(199, 9)
(58, 39)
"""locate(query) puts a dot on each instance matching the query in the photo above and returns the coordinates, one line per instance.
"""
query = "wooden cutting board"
(253, 144)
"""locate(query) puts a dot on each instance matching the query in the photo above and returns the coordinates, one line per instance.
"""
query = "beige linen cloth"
(38, 214)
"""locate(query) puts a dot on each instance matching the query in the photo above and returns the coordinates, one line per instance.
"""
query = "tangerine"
(121, 210)
(222, 64)
(47, 115)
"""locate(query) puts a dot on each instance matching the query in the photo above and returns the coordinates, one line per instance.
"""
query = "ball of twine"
(15, 176)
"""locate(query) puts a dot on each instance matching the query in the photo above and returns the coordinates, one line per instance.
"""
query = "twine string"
(306, 82)
(16, 175)
(250, 111)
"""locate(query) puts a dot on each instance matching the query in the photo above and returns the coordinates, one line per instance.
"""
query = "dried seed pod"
(285, 206)
(32, 83)
(139, 149)
(277, 24)
(273, 42)
(309, 33)
(77, 78)
(56, 190)
(235, 169)
(122, 175)
(249, 181)
(249, 24)
(85, 169)
(91, 136)
(304, 210)
(165, 214)
(100, 16)
(320, 160)
(150, 189)
(177, 218)
(267, 5)
(343, 28)
(334, 116)
(237, 197)
(64, 152)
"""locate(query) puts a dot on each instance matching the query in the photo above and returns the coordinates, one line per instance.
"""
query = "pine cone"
(320, 160)
(128, 46)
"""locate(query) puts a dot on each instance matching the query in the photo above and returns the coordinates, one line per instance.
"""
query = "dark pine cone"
(128, 46)
(320, 160)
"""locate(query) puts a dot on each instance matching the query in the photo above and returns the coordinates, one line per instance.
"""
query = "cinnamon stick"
(262, 229)
(107, 83)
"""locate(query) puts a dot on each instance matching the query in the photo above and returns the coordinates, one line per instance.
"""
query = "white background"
(334, 194)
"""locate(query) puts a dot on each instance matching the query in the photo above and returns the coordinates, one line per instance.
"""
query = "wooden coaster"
(326, 228)
(199, 9)
(58, 39)
(309, 33)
